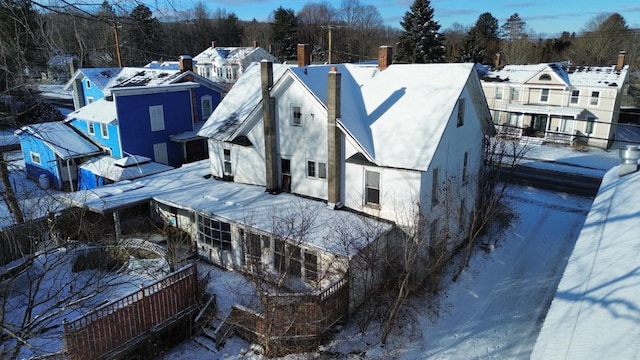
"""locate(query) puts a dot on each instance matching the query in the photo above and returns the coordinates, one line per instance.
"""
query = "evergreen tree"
(284, 27)
(420, 42)
(143, 36)
(514, 28)
(481, 41)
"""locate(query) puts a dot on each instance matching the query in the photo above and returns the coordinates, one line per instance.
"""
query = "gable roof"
(108, 78)
(61, 138)
(102, 111)
(243, 98)
(246, 55)
(576, 76)
(397, 115)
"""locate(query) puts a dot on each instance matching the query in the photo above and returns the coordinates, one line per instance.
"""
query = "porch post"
(116, 222)
(69, 174)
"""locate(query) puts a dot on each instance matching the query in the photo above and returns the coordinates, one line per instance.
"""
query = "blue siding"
(88, 180)
(134, 120)
(112, 141)
(48, 165)
(93, 91)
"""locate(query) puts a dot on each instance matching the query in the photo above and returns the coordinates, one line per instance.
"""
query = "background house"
(557, 102)
(52, 152)
(227, 64)
(147, 112)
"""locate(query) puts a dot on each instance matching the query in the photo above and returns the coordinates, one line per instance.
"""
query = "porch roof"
(110, 168)
(541, 109)
(187, 136)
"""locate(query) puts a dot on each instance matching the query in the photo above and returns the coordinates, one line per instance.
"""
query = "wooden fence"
(290, 322)
(123, 323)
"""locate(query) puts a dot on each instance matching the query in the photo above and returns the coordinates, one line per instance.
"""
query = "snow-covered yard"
(494, 311)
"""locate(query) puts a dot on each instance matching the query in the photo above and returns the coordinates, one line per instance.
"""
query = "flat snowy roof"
(595, 313)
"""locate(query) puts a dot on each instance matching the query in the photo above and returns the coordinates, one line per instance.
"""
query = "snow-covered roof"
(595, 313)
(107, 78)
(62, 139)
(238, 104)
(169, 65)
(102, 111)
(212, 54)
(128, 168)
(8, 138)
(572, 76)
(397, 115)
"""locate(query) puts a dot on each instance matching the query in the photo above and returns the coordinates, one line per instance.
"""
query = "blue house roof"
(62, 139)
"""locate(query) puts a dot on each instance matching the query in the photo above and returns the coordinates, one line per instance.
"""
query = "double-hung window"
(575, 96)
(499, 92)
(316, 169)
(515, 94)
(595, 98)
(104, 131)
(226, 154)
(460, 112)
(372, 187)
(91, 128)
(544, 95)
(296, 115)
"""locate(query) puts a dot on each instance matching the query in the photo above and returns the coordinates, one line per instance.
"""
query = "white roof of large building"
(595, 313)
(397, 115)
(571, 76)
(248, 54)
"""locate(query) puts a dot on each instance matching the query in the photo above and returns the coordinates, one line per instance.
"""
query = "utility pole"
(330, 27)
(117, 39)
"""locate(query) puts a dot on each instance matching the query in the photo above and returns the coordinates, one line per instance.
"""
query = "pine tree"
(420, 42)
(481, 41)
(284, 27)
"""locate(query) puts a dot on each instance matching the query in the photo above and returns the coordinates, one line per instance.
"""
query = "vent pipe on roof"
(620, 63)
(629, 157)
(213, 44)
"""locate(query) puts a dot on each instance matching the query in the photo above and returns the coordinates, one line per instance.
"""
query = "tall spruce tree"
(481, 41)
(420, 42)
(285, 28)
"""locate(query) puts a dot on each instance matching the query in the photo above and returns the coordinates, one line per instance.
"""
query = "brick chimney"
(213, 44)
(334, 141)
(304, 54)
(269, 123)
(185, 63)
(496, 61)
(620, 63)
(385, 57)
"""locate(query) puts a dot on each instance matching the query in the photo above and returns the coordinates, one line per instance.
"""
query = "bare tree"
(602, 39)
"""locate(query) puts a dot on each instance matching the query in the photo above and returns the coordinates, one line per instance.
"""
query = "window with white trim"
(226, 154)
(90, 99)
(310, 265)
(499, 92)
(544, 95)
(460, 112)
(316, 169)
(434, 187)
(214, 233)
(287, 258)
(91, 129)
(515, 94)
(156, 117)
(465, 168)
(545, 77)
(497, 114)
(206, 105)
(35, 158)
(372, 187)
(296, 115)
(88, 83)
(104, 131)
(595, 98)
(575, 96)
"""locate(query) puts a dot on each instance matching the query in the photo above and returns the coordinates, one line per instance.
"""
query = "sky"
(542, 16)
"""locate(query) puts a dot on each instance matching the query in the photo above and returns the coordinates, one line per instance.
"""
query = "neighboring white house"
(377, 140)
(226, 64)
(557, 101)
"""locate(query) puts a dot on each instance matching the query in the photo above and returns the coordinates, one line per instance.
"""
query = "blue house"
(52, 153)
(154, 113)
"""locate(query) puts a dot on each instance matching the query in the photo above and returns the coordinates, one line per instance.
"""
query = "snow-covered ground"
(494, 311)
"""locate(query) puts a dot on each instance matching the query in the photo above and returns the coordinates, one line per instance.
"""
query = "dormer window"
(545, 77)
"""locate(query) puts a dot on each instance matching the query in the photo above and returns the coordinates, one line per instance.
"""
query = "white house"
(557, 101)
(227, 64)
(374, 139)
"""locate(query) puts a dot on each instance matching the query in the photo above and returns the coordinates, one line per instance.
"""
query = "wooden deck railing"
(125, 321)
